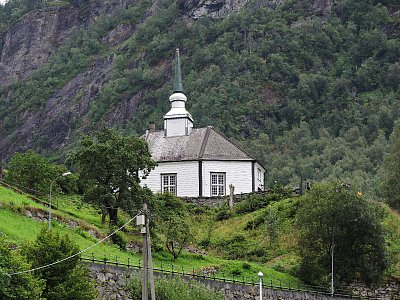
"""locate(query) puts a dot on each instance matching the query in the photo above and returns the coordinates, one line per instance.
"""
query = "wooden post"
(152, 288)
(231, 193)
(145, 259)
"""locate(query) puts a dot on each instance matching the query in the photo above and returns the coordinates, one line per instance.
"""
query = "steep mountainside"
(310, 87)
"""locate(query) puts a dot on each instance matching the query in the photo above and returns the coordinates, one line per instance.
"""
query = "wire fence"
(269, 282)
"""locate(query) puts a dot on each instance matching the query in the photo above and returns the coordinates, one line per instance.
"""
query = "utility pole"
(147, 258)
(150, 260)
(145, 295)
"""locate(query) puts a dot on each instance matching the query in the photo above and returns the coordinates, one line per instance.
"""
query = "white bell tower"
(178, 121)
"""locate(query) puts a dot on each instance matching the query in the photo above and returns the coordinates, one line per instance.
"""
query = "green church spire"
(178, 86)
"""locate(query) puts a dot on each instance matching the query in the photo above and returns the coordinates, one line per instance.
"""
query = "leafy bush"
(69, 280)
(171, 215)
(118, 239)
(236, 272)
(253, 224)
(205, 243)
(175, 289)
(254, 202)
(223, 213)
(234, 247)
(246, 266)
(35, 172)
(21, 286)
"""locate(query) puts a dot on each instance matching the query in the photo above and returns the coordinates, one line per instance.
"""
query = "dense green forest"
(313, 95)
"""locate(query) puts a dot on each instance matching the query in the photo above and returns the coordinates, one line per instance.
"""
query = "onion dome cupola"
(178, 121)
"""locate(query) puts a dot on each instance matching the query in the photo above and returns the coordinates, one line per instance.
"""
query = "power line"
(80, 252)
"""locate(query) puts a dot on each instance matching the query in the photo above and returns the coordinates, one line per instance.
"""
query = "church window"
(168, 183)
(217, 184)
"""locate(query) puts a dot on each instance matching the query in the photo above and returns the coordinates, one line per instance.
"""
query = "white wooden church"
(197, 162)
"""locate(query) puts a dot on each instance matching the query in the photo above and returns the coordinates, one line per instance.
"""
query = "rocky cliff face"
(196, 9)
(212, 8)
(31, 41)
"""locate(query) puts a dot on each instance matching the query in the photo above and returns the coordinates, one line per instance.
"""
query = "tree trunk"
(104, 213)
(113, 212)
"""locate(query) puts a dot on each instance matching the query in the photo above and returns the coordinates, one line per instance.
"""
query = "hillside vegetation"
(313, 94)
(82, 223)
(259, 234)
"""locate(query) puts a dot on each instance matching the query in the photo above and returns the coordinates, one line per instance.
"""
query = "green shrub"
(246, 266)
(234, 247)
(238, 238)
(253, 224)
(223, 213)
(236, 272)
(205, 243)
(175, 289)
(255, 202)
(118, 239)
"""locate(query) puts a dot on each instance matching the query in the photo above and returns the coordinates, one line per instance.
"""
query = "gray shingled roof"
(202, 143)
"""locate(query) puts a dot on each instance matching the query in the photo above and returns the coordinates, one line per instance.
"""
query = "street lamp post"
(260, 275)
(51, 187)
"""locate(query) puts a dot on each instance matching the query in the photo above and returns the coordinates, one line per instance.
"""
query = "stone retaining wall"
(391, 290)
(220, 200)
(112, 282)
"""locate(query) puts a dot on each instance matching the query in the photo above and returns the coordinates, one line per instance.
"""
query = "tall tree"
(392, 167)
(110, 166)
(333, 217)
(67, 280)
(172, 218)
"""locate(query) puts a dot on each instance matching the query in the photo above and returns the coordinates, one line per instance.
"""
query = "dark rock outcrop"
(212, 8)
(61, 114)
(31, 41)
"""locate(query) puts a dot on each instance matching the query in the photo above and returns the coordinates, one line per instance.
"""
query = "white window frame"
(259, 174)
(170, 185)
(218, 188)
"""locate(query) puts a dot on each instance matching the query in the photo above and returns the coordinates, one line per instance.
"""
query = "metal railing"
(268, 283)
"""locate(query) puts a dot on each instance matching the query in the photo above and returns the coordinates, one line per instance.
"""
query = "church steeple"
(178, 86)
(178, 121)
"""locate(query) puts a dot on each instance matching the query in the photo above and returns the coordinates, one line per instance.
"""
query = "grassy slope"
(230, 239)
(19, 228)
(392, 225)
(229, 244)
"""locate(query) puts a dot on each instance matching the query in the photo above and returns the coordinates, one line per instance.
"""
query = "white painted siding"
(238, 173)
(187, 177)
(259, 174)
(178, 126)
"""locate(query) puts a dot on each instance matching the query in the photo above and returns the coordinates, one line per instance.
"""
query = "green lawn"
(10, 197)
